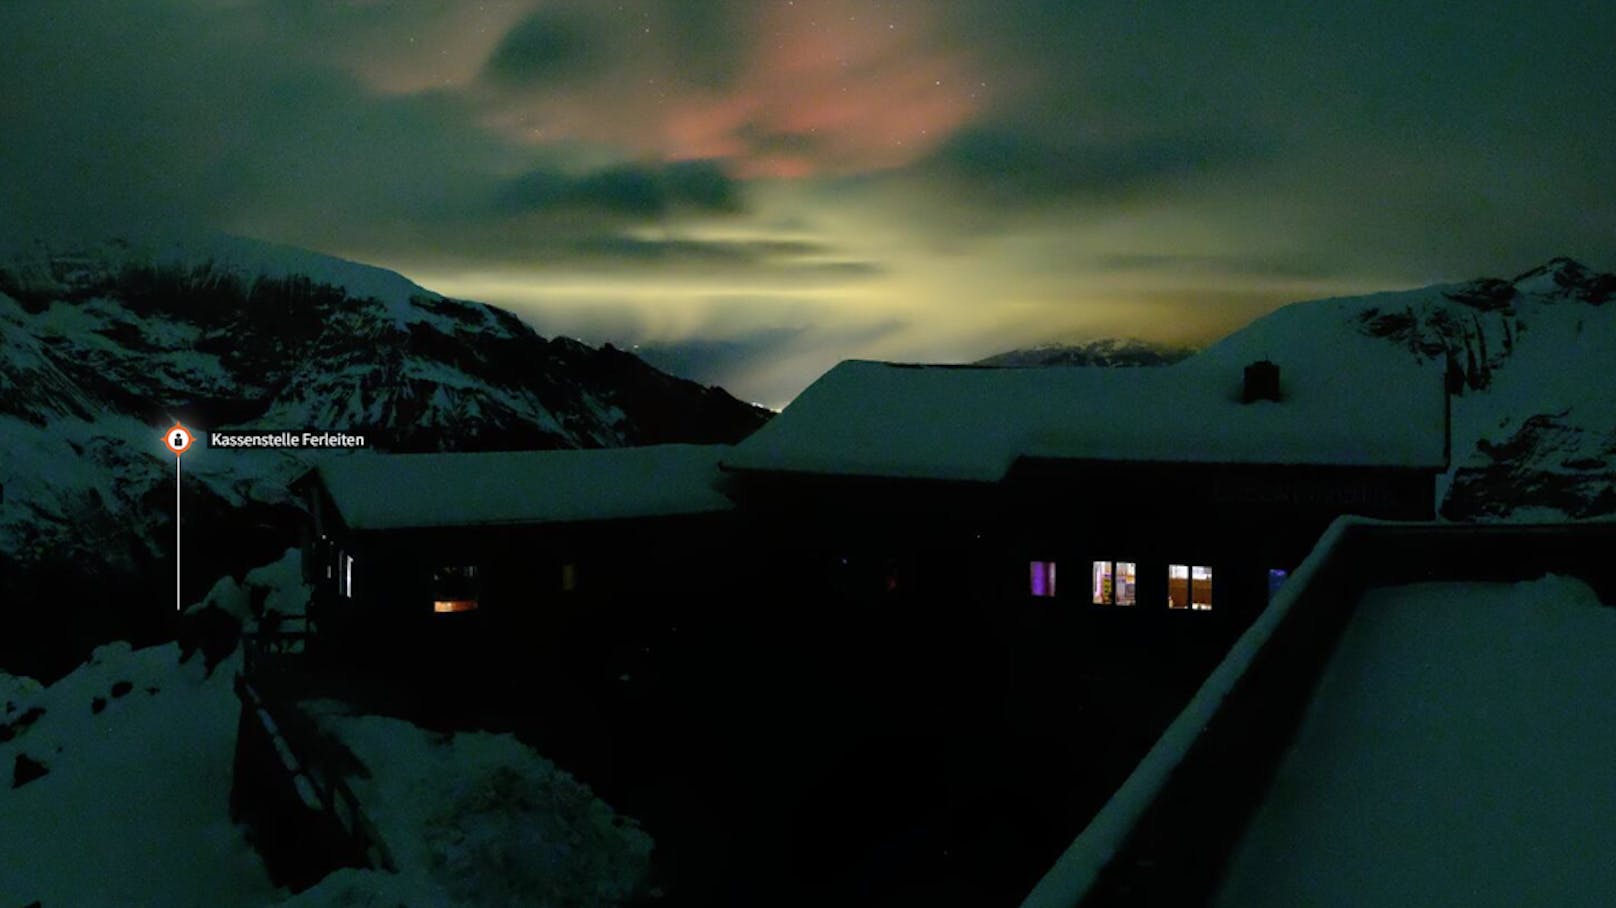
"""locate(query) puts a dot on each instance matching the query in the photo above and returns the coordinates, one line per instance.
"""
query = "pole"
(177, 605)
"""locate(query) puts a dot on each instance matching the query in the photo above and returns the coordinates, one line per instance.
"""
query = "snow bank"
(277, 587)
(227, 596)
(479, 819)
(14, 691)
(285, 592)
(1457, 752)
(133, 808)
(264, 595)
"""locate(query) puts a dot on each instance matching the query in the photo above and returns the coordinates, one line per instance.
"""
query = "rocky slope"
(105, 345)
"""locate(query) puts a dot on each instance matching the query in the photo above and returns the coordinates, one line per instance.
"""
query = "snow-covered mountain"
(106, 344)
(1110, 351)
(1528, 360)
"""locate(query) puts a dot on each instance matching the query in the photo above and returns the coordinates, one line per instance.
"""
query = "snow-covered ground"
(478, 819)
(1460, 750)
(133, 805)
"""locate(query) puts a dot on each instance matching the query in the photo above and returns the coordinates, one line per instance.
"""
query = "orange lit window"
(1201, 588)
(1189, 587)
(455, 588)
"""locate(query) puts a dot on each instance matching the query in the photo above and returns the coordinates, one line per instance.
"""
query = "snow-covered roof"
(395, 491)
(972, 423)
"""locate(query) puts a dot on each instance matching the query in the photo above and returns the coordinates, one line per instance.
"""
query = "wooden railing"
(287, 635)
(287, 786)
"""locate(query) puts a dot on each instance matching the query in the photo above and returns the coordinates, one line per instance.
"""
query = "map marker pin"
(177, 439)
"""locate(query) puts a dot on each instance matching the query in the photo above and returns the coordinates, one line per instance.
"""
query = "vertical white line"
(177, 533)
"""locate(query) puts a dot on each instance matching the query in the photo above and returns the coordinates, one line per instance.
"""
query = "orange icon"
(178, 439)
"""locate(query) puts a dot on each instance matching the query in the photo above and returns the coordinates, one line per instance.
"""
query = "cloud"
(631, 190)
(178, 114)
(549, 47)
(767, 365)
(1213, 266)
(1012, 167)
(714, 361)
(798, 258)
(772, 90)
(652, 264)
(703, 36)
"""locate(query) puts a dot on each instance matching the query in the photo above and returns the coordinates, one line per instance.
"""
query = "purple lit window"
(1043, 578)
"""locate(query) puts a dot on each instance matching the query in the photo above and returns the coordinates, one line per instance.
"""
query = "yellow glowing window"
(1102, 583)
(1115, 582)
(1127, 576)
(447, 606)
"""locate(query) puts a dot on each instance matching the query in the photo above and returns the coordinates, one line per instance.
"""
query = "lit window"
(345, 575)
(1201, 588)
(455, 588)
(1178, 586)
(1189, 587)
(1127, 574)
(569, 577)
(1043, 578)
(1276, 579)
(1114, 582)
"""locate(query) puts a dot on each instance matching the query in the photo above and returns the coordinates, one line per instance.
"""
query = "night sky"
(756, 190)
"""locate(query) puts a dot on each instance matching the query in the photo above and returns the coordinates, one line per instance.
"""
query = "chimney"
(1262, 382)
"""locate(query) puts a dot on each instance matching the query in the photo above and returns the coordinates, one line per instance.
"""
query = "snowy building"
(1176, 488)
(1187, 488)
(507, 538)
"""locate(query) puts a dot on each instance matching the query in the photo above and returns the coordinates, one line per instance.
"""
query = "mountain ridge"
(1111, 352)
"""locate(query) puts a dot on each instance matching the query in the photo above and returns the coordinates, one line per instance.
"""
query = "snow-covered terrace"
(1457, 751)
(967, 423)
(399, 491)
(1373, 739)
